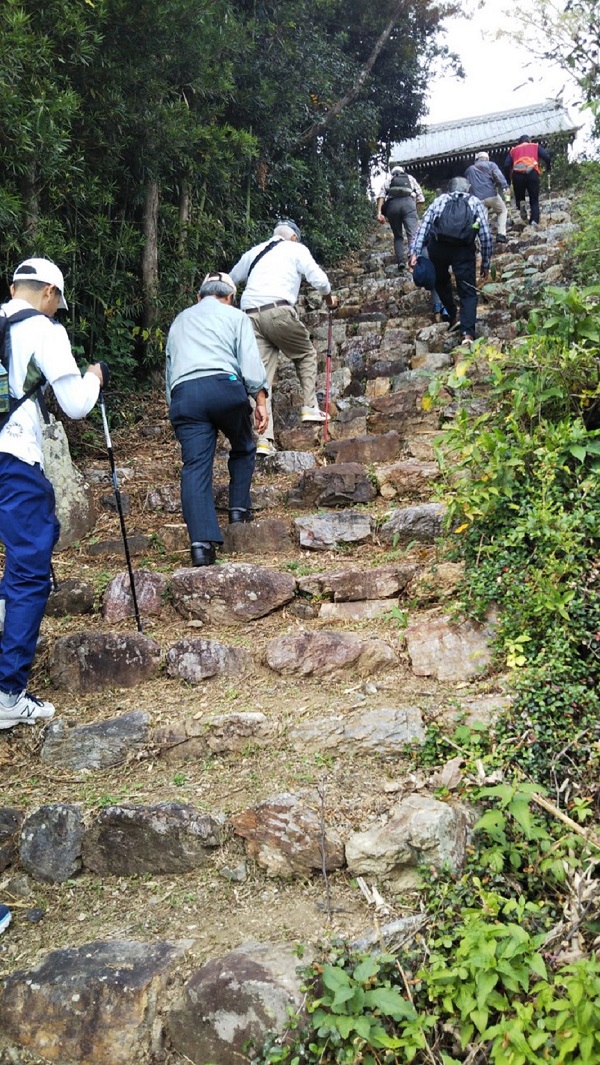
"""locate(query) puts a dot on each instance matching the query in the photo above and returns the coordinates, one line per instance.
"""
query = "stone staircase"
(234, 771)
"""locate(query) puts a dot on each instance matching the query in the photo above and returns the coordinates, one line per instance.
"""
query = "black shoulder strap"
(12, 319)
(260, 255)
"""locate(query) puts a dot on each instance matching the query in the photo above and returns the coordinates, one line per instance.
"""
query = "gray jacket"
(485, 179)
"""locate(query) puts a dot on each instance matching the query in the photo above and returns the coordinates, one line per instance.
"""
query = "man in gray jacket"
(213, 365)
(490, 186)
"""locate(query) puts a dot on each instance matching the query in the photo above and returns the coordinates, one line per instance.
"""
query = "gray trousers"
(401, 213)
(280, 330)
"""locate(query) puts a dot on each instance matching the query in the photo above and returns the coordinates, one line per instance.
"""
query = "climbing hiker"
(213, 365)
(273, 272)
(522, 166)
(490, 186)
(448, 230)
(397, 202)
(39, 353)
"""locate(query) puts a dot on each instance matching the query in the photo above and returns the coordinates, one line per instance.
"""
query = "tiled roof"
(447, 139)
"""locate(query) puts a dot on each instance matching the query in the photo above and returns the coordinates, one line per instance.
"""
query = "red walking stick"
(328, 375)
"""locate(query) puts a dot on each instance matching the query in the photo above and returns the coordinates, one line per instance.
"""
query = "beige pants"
(498, 206)
(280, 330)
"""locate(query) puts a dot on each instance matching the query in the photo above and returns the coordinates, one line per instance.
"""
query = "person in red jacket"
(522, 165)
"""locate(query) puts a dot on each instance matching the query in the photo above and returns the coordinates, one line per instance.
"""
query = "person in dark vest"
(397, 202)
(522, 166)
(456, 251)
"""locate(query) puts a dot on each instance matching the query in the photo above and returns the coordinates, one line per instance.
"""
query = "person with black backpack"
(397, 203)
(35, 351)
(449, 230)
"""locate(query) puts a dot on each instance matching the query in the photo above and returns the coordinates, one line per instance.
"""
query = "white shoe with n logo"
(23, 709)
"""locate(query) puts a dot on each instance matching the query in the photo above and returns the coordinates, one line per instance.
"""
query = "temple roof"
(463, 136)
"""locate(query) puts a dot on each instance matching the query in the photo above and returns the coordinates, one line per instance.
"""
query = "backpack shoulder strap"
(264, 251)
(13, 319)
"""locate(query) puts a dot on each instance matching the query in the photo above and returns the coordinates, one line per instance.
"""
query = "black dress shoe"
(203, 554)
(237, 514)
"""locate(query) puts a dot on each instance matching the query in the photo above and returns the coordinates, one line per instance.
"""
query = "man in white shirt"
(39, 352)
(397, 199)
(273, 272)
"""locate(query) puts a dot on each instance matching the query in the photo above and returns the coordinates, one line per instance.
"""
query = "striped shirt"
(434, 211)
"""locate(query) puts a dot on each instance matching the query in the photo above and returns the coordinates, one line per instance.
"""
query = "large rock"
(288, 462)
(99, 1004)
(223, 733)
(229, 594)
(381, 582)
(440, 648)
(257, 537)
(117, 601)
(236, 999)
(422, 523)
(384, 731)
(96, 746)
(170, 837)
(402, 410)
(74, 501)
(196, 660)
(285, 835)
(72, 597)
(334, 486)
(438, 581)
(90, 661)
(407, 478)
(320, 653)
(322, 532)
(365, 449)
(51, 841)
(421, 830)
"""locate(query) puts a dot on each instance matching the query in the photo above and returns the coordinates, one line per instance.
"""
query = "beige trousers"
(280, 330)
(498, 206)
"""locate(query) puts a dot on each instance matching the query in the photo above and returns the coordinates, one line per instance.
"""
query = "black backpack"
(8, 405)
(400, 186)
(457, 224)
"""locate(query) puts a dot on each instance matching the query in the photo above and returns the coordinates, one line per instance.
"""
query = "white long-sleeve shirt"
(41, 345)
(279, 274)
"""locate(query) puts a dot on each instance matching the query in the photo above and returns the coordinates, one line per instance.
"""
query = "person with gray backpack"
(397, 202)
(449, 231)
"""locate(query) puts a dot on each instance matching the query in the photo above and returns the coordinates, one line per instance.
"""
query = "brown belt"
(267, 306)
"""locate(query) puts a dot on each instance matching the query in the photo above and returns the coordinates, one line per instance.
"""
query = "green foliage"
(584, 245)
(524, 513)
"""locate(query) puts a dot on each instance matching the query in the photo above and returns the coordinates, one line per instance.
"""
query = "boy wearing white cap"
(40, 353)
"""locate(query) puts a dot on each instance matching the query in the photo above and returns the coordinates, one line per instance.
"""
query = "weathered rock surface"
(284, 835)
(117, 601)
(165, 497)
(364, 449)
(71, 597)
(74, 502)
(288, 461)
(233, 593)
(137, 543)
(170, 837)
(305, 653)
(256, 537)
(97, 746)
(439, 581)
(422, 523)
(234, 999)
(439, 648)
(357, 611)
(225, 732)
(420, 830)
(98, 1004)
(384, 731)
(381, 582)
(51, 841)
(90, 661)
(407, 478)
(334, 486)
(323, 532)
(194, 660)
(10, 825)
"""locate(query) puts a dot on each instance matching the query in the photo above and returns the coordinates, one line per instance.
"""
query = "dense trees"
(145, 141)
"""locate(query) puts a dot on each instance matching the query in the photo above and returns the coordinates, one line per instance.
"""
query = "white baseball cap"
(42, 270)
(222, 277)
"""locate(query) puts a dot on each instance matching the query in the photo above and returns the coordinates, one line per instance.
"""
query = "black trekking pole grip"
(113, 470)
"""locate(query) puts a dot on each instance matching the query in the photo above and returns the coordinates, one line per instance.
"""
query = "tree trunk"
(150, 257)
(185, 211)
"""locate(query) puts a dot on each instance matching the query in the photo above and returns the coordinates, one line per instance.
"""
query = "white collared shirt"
(279, 274)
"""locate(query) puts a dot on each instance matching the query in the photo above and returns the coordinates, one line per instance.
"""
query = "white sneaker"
(265, 446)
(23, 709)
(312, 414)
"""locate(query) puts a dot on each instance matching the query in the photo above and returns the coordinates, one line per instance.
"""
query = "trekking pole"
(117, 492)
(328, 374)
